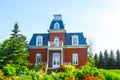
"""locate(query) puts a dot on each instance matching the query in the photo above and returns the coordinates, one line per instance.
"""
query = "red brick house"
(57, 47)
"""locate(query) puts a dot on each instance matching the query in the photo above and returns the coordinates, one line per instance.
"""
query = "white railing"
(52, 44)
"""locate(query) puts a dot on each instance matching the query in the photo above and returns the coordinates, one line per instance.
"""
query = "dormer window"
(56, 25)
(39, 40)
(75, 40)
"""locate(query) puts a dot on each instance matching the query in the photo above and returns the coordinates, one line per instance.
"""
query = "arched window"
(75, 40)
(39, 40)
(56, 41)
(56, 25)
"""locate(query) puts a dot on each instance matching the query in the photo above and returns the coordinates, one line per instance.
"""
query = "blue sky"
(97, 19)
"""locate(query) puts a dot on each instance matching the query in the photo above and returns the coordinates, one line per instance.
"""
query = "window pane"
(38, 58)
(75, 59)
(39, 40)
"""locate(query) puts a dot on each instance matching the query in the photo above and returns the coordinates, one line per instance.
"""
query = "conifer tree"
(106, 57)
(111, 61)
(118, 59)
(101, 60)
(14, 51)
(96, 59)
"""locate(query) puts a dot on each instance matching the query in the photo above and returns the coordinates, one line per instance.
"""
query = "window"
(75, 59)
(56, 25)
(38, 58)
(75, 40)
(39, 40)
(56, 41)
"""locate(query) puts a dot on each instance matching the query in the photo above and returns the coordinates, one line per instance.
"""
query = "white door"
(56, 60)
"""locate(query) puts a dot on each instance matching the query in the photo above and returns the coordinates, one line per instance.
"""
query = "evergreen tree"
(101, 60)
(14, 51)
(106, 57)
(111, 61)
(118, 59)
(96, 59)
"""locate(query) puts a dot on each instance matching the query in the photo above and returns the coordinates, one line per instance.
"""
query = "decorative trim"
(37, 47)
(57, 48)
(56, 30)
(78, 46)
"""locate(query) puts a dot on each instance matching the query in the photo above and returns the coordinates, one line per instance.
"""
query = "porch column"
(61, 56)
(47, 58)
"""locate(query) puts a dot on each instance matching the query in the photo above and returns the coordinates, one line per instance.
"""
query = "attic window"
(56, 25)
(39, 40)
(75, 40)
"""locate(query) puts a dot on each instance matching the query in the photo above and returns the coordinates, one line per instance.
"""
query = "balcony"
(53, 44)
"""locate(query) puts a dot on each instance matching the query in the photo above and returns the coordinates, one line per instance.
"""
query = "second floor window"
(56, 41)
(39, 40)
(75, 40)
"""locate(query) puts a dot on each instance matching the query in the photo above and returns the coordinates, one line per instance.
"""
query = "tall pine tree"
(101, 60)
(96, 59)
(106, 57)
(111, 61)
(118, 59)
(14, 51)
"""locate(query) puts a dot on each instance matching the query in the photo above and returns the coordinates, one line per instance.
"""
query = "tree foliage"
(118, 59)
(14, 50)
(101, 60)
(108, 60)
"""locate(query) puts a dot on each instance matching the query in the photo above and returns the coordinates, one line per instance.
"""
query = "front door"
(56, 60)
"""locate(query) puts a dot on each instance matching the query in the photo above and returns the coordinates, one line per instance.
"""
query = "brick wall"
(82, 55)
(33, 52)
(60, 35)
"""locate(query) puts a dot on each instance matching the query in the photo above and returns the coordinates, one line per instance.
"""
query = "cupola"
(57, 23)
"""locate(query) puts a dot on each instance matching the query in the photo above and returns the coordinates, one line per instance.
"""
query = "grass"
(113, 74)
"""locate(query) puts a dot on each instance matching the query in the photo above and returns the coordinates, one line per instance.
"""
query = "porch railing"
(52, 44)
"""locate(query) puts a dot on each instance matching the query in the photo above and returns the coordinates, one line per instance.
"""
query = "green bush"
(78, 74)
(46, 77)
(68, 68)
(1, 75)
(27, 77)
(62, 76)
(54, 75)
(9, 70)
(37, 67)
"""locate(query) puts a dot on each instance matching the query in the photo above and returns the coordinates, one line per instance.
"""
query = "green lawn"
(111, 74)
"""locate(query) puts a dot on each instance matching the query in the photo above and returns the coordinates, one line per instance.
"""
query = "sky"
(99, 20)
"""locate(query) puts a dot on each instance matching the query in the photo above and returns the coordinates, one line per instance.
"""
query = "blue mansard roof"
(60, 23)
(68, 39)
(45, 39)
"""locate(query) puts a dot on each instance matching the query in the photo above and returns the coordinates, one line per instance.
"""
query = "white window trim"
(38, 55)
(56, 25)
(75, 36)
(74, 59)
(56, 38)
(39, 37)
